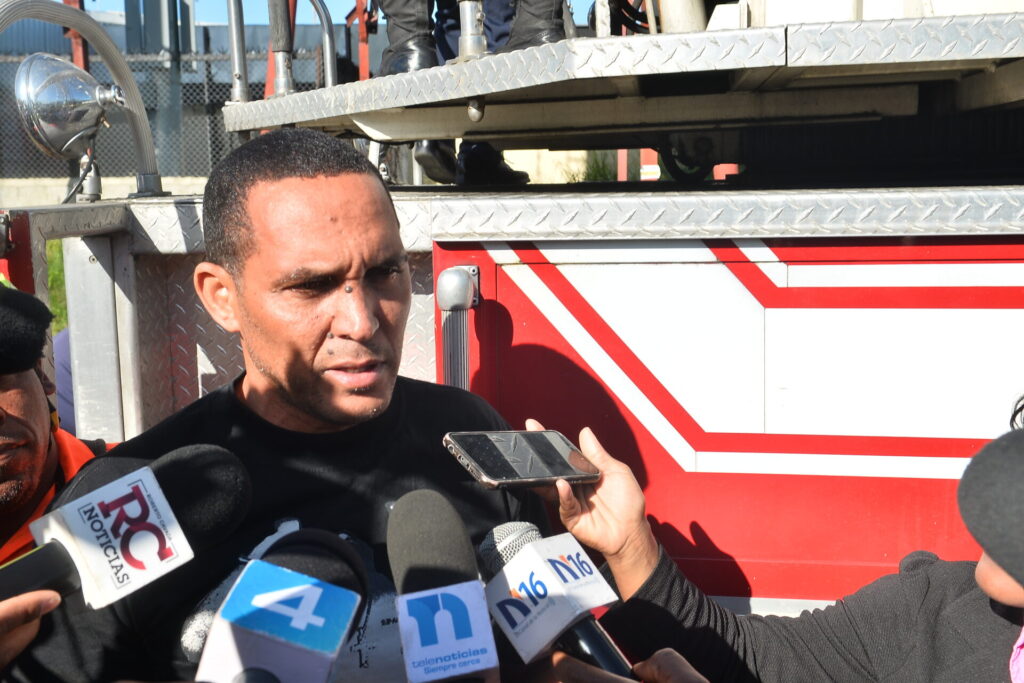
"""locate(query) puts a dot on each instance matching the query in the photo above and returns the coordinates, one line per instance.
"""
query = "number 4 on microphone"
(280, 621)
(302, 615)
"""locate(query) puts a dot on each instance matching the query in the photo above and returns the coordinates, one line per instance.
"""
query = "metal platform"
(143, 346)
(592, 92)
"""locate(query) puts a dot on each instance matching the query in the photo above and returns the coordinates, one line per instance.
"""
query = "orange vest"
(72, 454)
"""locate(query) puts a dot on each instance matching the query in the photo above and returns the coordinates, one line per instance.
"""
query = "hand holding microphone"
(19, 621)
(664, 666)
(609, 516)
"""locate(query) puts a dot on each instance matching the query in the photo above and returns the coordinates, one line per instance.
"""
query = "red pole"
(79, 50)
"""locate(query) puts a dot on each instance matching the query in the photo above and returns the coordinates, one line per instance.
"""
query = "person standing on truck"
(415, 42)
(36, 456)
(933, 621)
(305, 262)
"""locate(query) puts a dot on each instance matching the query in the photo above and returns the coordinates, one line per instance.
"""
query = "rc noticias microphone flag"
(446, 632)
(121, 536)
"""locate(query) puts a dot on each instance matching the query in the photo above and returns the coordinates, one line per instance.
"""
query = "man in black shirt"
(306, 263)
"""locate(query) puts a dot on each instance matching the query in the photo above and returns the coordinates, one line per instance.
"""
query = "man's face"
(322, 301)
(997, 584)
(24, 439)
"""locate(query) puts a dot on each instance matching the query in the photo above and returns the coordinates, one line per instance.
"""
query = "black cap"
(23, 323)
(991, 498)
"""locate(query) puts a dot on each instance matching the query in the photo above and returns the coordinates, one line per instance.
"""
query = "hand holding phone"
(520, 458)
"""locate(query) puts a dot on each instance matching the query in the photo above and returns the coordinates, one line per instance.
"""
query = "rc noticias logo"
(426, 609)
(130, 513)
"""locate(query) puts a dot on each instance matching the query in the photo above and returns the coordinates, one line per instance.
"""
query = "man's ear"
(216, 289)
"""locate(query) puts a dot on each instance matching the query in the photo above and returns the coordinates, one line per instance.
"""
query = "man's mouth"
(6, 445)
(357, 375)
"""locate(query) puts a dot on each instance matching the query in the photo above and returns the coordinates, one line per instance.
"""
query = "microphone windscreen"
(322, 555)
(207, 486)
(428, 546)
(503, 542)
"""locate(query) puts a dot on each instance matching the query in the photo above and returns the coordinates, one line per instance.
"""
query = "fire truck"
(797, 360)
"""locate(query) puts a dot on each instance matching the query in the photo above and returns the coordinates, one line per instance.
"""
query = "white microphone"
(125, 522)
(542, 593)
(442, 612)
(288, 614)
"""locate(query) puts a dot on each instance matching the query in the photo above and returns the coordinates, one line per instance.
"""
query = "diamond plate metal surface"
(938, 39)
(175, 226)
(152, 311)
(168, 226)
(580, 58)
(41, 283)
(940, 211)
(414, 217)
(418, 359)
(79, 220)
(185, 353)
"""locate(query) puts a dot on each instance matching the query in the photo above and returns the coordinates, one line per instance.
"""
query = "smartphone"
(498, 459)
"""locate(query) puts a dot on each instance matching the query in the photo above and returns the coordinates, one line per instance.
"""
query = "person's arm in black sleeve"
(864, 636)
(860, 635)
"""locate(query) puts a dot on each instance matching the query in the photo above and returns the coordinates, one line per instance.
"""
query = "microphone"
(542, 593)
(288, 614)
(442, 612)
(114, 531)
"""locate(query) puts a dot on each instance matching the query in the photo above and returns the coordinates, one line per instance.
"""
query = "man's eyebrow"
(395, 260)
(304, 273)
(300, 274)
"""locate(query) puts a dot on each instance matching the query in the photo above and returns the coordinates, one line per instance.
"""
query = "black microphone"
(113, 530)
(435, 573)
(288, 614)
(585, 639)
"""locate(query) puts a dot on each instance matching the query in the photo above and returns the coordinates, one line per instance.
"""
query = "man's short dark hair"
(285, 153)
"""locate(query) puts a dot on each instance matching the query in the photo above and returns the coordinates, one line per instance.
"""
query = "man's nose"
(355, 313)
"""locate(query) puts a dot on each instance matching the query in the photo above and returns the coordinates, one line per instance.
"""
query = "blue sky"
(216, 12)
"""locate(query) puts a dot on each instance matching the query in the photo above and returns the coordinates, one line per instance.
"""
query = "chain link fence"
(184, 103)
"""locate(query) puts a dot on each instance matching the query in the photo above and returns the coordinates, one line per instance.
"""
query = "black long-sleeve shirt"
(930, 622)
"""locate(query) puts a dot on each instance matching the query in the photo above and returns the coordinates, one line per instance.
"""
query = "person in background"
(415, 42)
(933, 621)
(37, 457)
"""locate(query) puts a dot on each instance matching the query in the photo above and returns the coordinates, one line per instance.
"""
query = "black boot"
(537, 22)
(411, 47)
(481, 164)
(410, 43)
(437, 159)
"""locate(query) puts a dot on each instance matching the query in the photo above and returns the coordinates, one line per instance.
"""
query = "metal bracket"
(457, 291)
(458, 288)
(5, 233)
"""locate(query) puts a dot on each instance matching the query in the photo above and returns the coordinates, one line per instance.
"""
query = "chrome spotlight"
(62, 106)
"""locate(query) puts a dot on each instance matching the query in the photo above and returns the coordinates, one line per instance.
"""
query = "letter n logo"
(425, 610)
